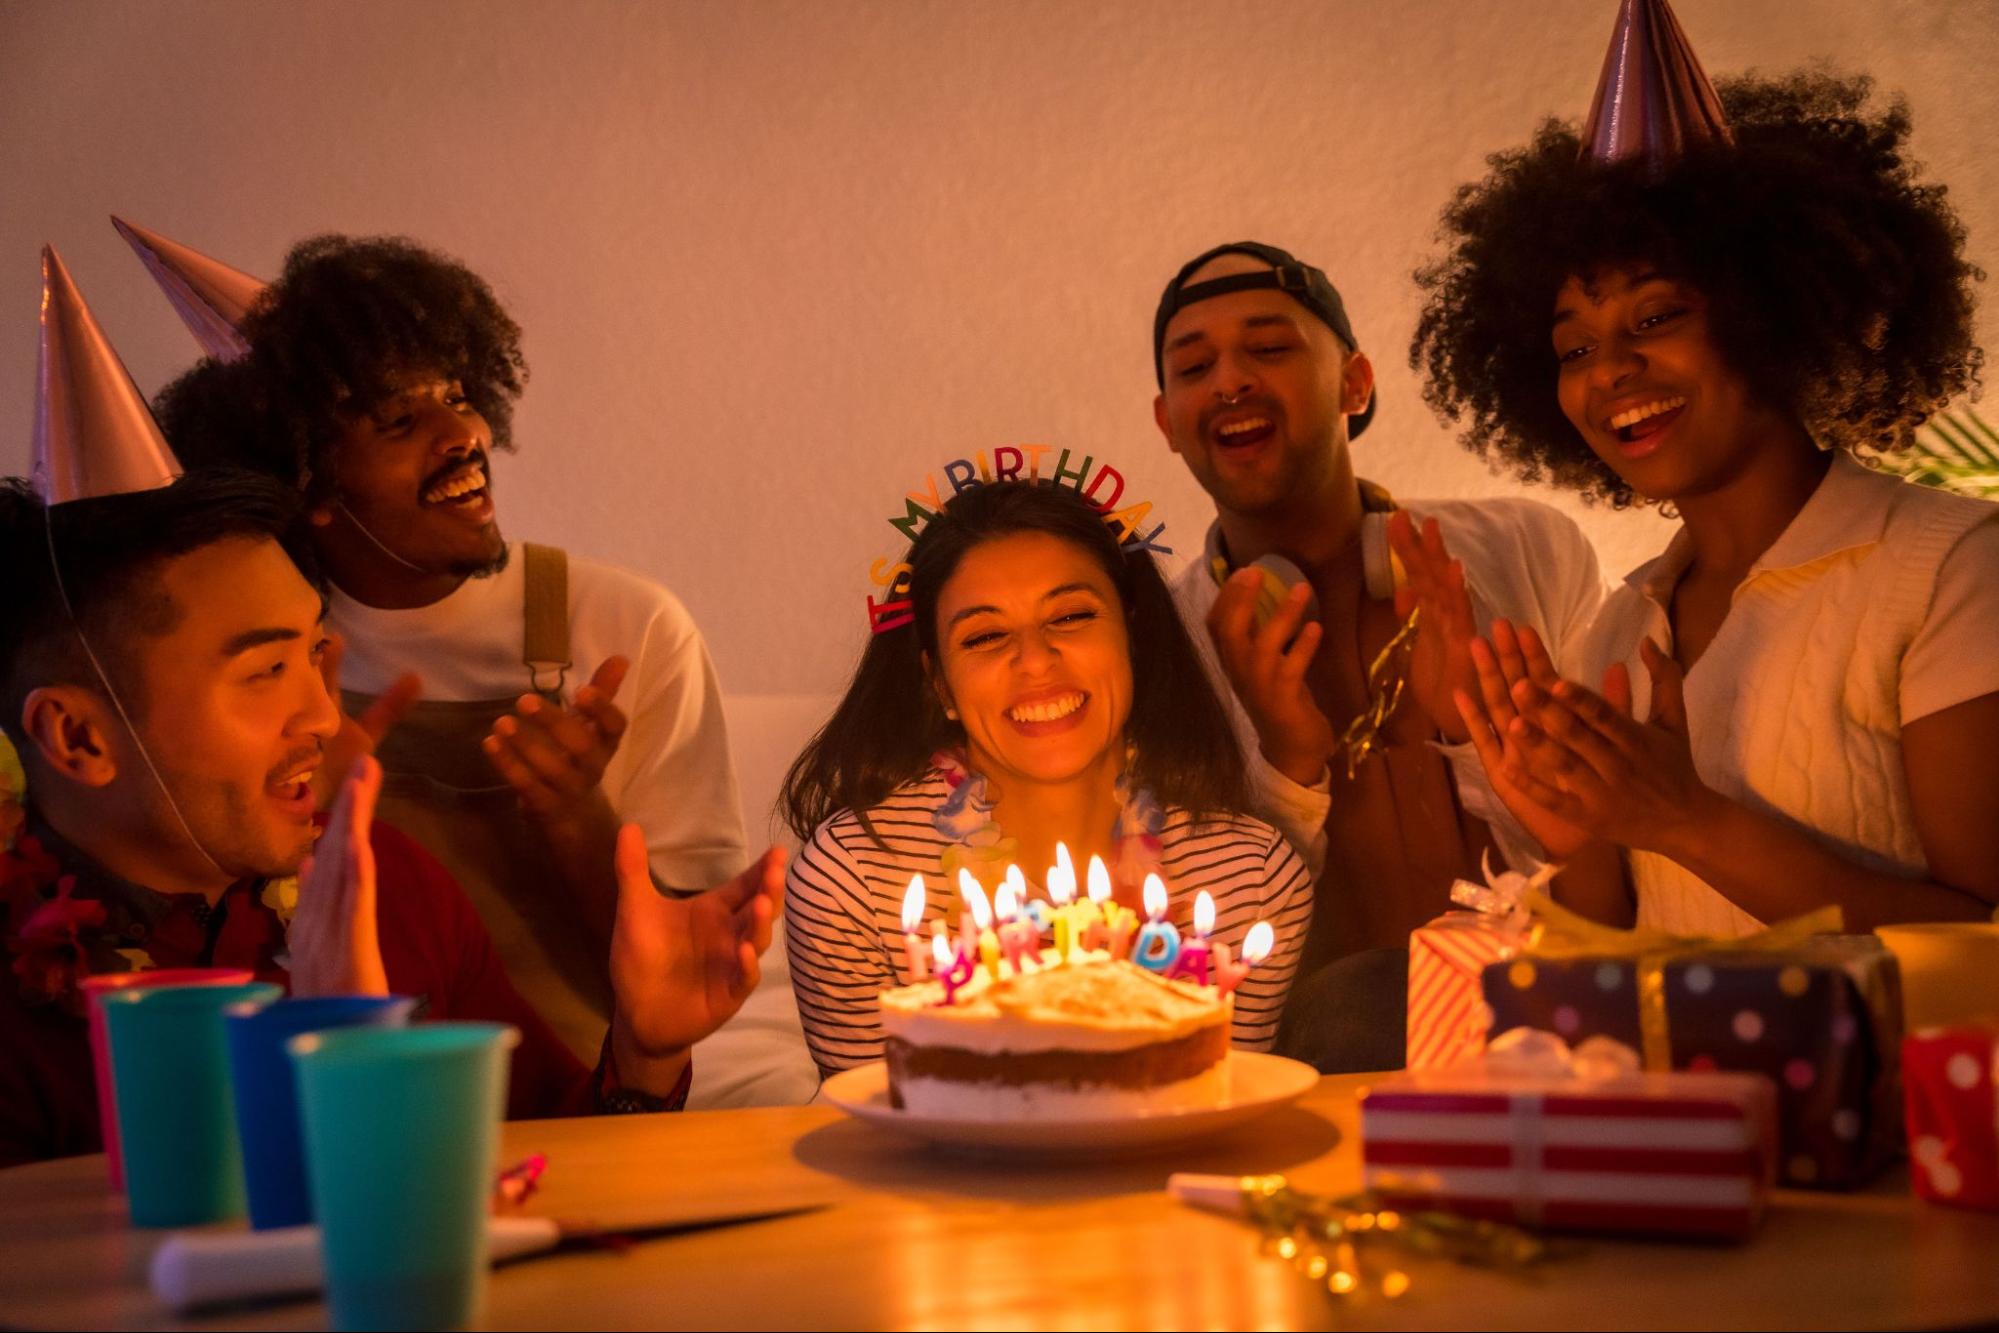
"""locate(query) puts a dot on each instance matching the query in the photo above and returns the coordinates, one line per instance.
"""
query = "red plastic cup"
(100, 1045)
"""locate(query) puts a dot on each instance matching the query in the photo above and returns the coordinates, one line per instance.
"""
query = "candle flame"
(974, 894)
(940, 950)
(1204, 913)
(1006, 903)
(1262, 939)
(912, 903)
(1155, 897)
(1100, 881)
(1062, 862)
(1018, 883)
(1061, 886)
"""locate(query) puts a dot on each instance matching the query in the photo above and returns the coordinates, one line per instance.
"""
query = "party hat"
(93, 434)
(209, 296)
(1653, 101)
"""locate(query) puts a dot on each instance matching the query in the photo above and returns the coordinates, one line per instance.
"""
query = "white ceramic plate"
(1258, 1084)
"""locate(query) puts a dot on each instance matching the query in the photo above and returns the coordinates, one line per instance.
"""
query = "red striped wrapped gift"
(1679, 1154)
(1448, 1014)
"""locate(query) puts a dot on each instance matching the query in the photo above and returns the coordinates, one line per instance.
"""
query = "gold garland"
(1387, 681)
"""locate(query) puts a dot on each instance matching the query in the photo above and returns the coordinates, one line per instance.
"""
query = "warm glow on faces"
(415, 472)
(235, 711)
(1289, 376)
(1033, 655)
(1642, 381)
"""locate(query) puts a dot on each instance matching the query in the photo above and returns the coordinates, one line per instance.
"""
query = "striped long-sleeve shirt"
(843, 912)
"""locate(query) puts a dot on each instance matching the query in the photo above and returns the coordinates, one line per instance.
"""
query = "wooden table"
(915, 1238)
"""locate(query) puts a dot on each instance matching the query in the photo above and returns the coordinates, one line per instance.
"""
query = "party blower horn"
(1653, 101)
(93, 435)
(210, 297)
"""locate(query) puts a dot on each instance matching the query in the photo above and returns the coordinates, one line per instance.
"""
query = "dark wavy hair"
(890, 723)
(341, 322)
(112, 550)
(1835, 275)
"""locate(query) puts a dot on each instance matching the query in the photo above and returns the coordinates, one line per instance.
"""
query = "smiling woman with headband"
(1044, 691)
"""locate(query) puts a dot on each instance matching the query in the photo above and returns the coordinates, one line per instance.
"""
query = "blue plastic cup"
(170, 1072)
(402, 1134)
(267, 1115)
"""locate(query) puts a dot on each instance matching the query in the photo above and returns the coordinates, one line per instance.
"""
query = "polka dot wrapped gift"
(1819, 1014)
(1952, 1075)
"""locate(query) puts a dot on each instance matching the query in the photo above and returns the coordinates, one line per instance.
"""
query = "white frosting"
(1090, 1004)
(948, 1099)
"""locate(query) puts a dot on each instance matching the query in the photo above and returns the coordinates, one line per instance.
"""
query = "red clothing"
(434, 947)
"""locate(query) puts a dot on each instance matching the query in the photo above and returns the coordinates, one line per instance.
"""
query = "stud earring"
(951, 713)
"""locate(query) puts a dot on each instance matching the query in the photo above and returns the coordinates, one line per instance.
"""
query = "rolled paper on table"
(193, 1269)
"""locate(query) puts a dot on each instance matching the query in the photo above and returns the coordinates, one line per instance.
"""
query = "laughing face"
(233, 709)
(1256, 395)
(1033, 656)
(1644, 384)
(413, 475)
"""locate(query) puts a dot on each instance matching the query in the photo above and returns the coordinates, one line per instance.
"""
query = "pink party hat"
(1653, 100)
(209, 296)
(93, 434)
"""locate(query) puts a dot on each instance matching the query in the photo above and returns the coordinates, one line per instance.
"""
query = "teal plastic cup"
(176, 1120)
(402, 1134)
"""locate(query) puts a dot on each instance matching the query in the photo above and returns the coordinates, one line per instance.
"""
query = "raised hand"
(681, 967)
(555, 757)
(1440, 665)
(1513, 753)
(1266, 666)
(358, 735)
(1632, 783)
(333, 940)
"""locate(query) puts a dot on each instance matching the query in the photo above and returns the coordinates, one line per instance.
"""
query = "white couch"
(758, 1058)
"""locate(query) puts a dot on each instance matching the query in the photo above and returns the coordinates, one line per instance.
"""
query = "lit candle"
(1159, 943)
(1193, 960)
(976, 926)
(1119, 922)
(1255, 948)
(1097, 924)
(1062, 893)
(954, 966)
(1019, 937)
(914, 955)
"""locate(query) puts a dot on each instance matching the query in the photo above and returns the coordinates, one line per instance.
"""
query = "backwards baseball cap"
(1308, 286)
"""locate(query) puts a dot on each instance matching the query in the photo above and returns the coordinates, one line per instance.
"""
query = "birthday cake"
(1095, 1037)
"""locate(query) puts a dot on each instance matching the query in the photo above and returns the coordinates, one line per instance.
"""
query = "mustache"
(475, 458)
(1257, 402)
(294, 761)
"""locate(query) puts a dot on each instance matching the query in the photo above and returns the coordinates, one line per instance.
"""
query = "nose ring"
(1230, 399)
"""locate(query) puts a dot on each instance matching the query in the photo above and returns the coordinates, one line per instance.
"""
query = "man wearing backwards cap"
(1261, 384)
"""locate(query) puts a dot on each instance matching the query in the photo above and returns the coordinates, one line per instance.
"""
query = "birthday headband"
(889, 575)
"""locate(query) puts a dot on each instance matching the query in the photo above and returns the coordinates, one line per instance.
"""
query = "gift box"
(1952, 1080)
(1447, 1013)
(1529, 1134)
(1447, 1010)
(1820, 1015)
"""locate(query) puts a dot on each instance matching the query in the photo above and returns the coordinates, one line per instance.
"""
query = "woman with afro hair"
(1797, 703)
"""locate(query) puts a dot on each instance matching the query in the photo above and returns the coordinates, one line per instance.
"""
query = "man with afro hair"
(381, 378)
(1797, 703)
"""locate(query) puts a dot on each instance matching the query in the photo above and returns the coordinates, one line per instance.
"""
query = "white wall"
(776, 260)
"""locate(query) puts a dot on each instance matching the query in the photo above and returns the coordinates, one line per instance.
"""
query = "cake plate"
(1258, 1085)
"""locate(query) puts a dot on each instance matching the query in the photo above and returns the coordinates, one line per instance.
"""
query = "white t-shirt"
(672, 774)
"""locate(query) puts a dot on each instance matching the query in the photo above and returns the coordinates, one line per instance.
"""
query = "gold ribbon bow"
(1558, 933)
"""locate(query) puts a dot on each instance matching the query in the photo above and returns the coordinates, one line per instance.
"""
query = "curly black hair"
(1835, 275)
(344, 319)
(214, 414)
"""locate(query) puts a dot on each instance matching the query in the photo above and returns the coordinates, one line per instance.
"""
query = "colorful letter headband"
(1103, 487)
